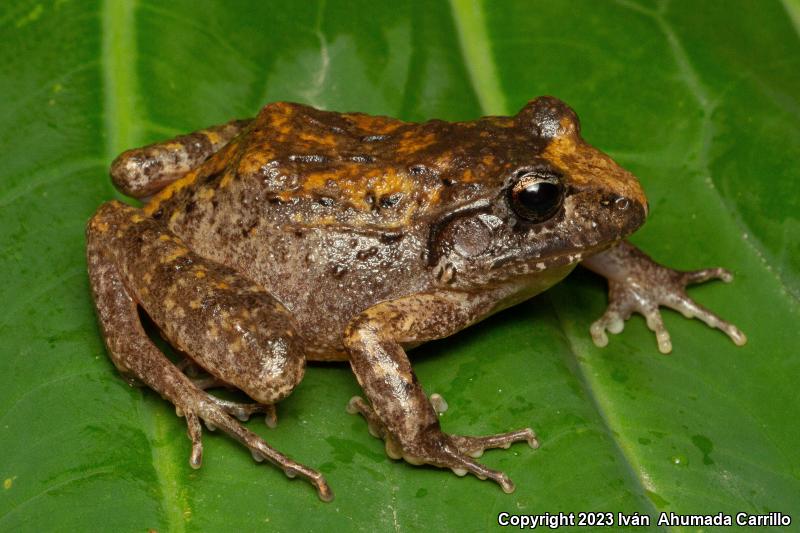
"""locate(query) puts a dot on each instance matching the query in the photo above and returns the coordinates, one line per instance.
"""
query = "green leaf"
(701, 100)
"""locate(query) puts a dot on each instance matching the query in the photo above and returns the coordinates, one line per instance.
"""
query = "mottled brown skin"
(143, 171)
(312, 235)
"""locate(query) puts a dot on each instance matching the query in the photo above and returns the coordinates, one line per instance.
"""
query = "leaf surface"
(699, 100)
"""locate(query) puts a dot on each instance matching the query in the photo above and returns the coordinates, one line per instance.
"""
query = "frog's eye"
(537, 195)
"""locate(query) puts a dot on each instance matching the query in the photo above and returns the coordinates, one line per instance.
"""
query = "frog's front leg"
(400, 412)
(142, 172)
(638, 284)
(225, 323)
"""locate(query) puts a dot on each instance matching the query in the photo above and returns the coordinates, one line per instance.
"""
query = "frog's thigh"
(142, 172)
(225, 323)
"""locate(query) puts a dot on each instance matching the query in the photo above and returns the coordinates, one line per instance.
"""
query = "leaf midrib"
(793, 9)
(476, 51)
(122, 132)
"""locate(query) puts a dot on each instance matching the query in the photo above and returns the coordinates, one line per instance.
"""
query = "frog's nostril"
(626, 211)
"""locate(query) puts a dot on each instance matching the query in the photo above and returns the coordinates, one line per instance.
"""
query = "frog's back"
(370, 171)
(332, 168)
(301, 165)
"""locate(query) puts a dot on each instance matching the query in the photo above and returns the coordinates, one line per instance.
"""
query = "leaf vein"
(107, 471)
(36, 388)
(635, 468)
(122, 131)
(476, 50)
(706, 139)
(44, 176)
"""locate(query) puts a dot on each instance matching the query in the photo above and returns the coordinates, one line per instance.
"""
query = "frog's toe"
(481, 472)
(270, 416)
(705, 274)
(656, 324)
(243, 411)
(475, 446)
(674, 296)
(376, 428)
(195, 434)
(438, 403)
(691, 309)
(611, 321)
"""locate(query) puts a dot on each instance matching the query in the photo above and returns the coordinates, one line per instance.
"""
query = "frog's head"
(558, 200)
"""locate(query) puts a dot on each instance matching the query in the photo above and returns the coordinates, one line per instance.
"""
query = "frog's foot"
(637, 284)
(214, 413)
(458, 452)
(243, 411)
(447, 451)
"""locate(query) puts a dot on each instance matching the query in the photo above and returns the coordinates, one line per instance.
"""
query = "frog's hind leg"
(142, 172)
(133, 260)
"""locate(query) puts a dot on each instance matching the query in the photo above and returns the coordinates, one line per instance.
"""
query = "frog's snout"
(613, 200)
(622, 187)
(627, 213)
(628, 195)
(620, 190)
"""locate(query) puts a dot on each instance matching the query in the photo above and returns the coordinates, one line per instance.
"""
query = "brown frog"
(311, 235)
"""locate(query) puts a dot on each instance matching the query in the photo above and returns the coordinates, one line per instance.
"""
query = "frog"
(306, 235)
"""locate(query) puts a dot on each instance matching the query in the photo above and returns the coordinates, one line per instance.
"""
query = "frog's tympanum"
(311, 235)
